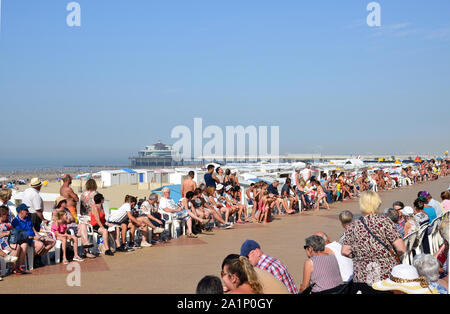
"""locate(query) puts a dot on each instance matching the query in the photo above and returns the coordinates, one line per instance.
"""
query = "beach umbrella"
(417, 159)
(380, 159)
(398, 162)
(439, 158)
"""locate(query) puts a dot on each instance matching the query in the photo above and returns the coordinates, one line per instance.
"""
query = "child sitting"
(59, 228)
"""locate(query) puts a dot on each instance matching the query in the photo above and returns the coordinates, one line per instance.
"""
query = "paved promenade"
(178, 266)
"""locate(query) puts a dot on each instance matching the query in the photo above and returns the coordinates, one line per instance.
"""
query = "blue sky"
(136, 69)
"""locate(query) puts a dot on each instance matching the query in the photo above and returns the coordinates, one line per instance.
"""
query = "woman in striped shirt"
(320, 270)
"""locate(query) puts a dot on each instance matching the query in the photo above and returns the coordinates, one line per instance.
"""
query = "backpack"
(17, 236)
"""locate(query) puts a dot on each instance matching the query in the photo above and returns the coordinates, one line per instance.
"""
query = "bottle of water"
(100, 246)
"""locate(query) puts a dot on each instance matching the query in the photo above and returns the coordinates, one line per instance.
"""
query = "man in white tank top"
(345, 263)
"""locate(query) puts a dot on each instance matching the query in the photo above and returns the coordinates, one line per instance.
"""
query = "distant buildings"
(157, 155)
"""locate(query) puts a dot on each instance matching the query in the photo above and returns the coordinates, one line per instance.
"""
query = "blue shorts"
(181, 215)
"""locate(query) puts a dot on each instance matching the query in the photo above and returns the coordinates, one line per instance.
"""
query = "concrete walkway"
(178, 266)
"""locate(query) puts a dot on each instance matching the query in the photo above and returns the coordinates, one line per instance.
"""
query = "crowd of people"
(366, 259)
(218, 203)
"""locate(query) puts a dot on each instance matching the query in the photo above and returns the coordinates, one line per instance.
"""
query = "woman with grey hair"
(149, 210)
(320, 270)
(428, 267)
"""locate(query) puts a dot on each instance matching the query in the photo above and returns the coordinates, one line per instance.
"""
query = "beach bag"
(17, 236)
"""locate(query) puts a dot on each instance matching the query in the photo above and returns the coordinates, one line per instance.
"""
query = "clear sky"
(135, 69)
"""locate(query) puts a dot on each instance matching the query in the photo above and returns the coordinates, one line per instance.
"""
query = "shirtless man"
(188, 185)
(72, 199)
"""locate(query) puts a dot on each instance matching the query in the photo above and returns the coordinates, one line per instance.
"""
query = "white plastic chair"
(433, 236)
(418, 249)
(409, 240)
(176, 224)
(29, 258)
(2, 267)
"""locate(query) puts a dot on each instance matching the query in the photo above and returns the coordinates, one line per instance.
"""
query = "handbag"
(393, 253)
(17, 236)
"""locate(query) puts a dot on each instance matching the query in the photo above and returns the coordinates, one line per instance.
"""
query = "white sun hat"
(219, 187)
(407, 211)
(405, 278)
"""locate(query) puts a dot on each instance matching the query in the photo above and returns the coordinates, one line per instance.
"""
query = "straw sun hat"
(35, 182)
(405, 278)
(59, 199)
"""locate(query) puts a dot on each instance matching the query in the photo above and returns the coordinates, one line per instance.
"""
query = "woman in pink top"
(59, 228)
(445, 201)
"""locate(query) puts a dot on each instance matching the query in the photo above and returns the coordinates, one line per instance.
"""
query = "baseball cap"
(248, 246)
(22, 207)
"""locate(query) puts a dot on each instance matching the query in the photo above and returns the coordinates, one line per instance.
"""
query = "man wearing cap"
(257, 258)
(72, 199)
(34, 202)
(435, 204)
(41, 244)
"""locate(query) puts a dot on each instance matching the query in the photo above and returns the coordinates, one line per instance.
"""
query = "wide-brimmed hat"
(60, 199)
(405, 278)
(219, 187)
(228, 187)
(35, 182)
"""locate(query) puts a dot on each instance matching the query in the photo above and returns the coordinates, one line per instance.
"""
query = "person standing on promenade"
(188, 185)
(210, 177)
(71, 198)
(34, 202)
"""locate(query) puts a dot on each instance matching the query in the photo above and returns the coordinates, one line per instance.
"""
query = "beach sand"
(178, 266)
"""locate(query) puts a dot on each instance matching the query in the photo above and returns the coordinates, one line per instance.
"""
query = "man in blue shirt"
(41, 243)
(210, 177)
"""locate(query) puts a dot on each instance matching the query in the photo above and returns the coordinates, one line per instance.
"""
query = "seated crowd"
(365, 260)
(215, 203)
